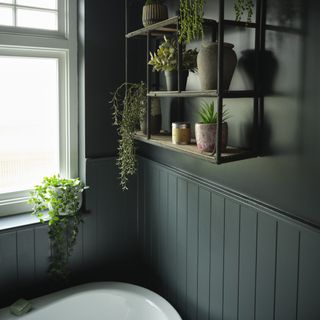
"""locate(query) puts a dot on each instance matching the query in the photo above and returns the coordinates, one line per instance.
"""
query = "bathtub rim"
(54, 297)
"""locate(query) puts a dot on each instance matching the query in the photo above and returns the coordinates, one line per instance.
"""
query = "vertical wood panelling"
(266, 260)
(247, 263)
(309, 277)
(42, 252)
(182, 223)
(8, 261)
(204, 254)
(171, 261)
(89, 227)
(141, 210)
(148, 215)
(217, 256)
(154, 213)
(225, 260)
(287, 272)
(192, 251)
(25, 257)
(163, 230)
(231, 261)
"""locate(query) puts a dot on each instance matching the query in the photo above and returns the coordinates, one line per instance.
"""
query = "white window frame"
(62, 32)
(47, 44)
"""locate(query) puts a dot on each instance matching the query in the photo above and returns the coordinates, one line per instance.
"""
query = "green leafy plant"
(207, 113)
(129, 106)
(166, 57)
(191, 20)
(242, 6)
(61, 199)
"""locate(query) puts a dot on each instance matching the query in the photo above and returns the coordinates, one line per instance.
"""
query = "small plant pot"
(68, 212)
(206, 136)
(155, 124)
(153, 13)
(172, 80)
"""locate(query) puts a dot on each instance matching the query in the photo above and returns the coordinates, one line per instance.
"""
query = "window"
(35, 15)
(38, 98)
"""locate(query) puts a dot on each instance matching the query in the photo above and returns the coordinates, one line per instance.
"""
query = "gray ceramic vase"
(208, 65)
(153, 13)
(206, 136)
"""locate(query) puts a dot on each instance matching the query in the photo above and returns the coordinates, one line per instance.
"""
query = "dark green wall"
(287, 176)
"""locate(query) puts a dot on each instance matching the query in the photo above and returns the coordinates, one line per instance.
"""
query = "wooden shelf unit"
(171, 26)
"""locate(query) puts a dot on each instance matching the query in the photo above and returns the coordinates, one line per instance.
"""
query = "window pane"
(6, 16)
(49, 4)
(6, 1)
(37, 19)
(29, 122)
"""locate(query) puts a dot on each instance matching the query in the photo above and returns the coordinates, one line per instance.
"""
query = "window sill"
(16, 221)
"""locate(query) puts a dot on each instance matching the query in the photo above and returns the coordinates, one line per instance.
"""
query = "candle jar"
(181, 133)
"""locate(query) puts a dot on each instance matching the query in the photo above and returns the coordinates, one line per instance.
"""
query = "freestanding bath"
(99, 301)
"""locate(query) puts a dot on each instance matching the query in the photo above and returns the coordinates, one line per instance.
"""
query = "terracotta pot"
(153, 13)
(208, 65)
(206, 136)
(172, 80)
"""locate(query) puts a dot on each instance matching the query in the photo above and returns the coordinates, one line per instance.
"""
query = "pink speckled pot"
(206, 136)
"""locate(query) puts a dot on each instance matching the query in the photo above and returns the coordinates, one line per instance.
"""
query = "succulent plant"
(166, 59)
(208, 114)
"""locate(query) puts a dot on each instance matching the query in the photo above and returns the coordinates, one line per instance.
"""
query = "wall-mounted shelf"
(171, 26)
(165, 141)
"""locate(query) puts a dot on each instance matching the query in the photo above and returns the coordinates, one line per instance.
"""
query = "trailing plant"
(129, 107)
(61, 199)
(242, 6)
(208, 114)
(166, 57)
(191, 20)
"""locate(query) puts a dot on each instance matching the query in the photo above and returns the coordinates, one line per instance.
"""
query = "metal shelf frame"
(171, 26)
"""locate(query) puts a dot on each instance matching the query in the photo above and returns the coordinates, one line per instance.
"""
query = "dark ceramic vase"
(206, 136)
(172, 80)
(208, 65)
(153, 13)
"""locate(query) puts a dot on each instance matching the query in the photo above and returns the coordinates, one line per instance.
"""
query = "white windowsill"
(19, 220)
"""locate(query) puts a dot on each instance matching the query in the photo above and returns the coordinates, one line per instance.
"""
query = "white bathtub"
(99, 301)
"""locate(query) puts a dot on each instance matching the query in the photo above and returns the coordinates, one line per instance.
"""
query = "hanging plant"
(129, 106)
(242, 6)
(191, 20)
(61, 198)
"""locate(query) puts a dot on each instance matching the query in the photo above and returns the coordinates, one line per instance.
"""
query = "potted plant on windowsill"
(166, 60)
(206, 129)
(153, 11)
(61, 198)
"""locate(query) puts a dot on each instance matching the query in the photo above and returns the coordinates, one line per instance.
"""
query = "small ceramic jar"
(181, 133)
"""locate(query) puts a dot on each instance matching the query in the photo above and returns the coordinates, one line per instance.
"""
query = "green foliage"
(208, 114)
(191, 20)
(166, 57)
(60, 197)
(129, 106)
(242, 6)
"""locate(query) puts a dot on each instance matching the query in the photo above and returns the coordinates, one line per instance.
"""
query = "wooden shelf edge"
(208, 93)
(164, 141)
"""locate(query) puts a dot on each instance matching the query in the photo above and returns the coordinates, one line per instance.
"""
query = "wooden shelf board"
(203, 93)
(165, 141)
(170, 26)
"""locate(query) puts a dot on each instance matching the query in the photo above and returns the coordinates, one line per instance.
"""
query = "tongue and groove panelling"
(216, 257)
